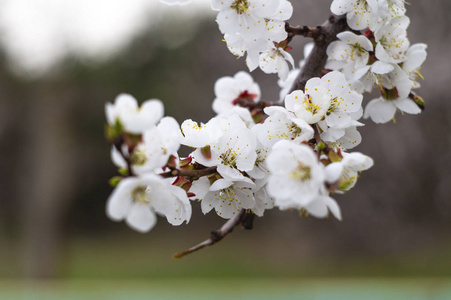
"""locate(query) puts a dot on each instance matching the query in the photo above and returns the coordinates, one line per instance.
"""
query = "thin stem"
(216, 235)
(318, 139)
(118, 146)
(255, 105)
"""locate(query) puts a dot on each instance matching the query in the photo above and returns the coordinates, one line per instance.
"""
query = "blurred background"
(61, 61)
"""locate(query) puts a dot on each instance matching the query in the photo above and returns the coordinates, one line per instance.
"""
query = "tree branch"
(219, 234)
(323, 35)
(189, 172)
(304, 31)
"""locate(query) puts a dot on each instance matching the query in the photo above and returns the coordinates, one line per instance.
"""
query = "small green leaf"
(123, 171)
(114, 131)
(114, 181)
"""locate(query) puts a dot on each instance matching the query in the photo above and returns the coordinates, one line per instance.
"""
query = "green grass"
(238, 258)
(140, 257)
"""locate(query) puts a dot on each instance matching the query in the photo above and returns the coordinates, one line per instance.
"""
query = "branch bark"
(219, 234)
(315, 62)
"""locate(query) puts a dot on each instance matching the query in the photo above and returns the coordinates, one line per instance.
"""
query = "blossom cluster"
(254, 159)
(381, 57)
(255, 155)
(256, 27)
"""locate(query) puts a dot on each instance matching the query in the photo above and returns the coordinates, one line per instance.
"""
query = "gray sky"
(38, 32)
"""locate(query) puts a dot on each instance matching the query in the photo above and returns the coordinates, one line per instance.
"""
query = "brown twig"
(189, 173)
(219, 234)
(318, 139)
(304, 31)
(255, 105)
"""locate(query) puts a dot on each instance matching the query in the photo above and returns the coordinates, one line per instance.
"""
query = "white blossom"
(415, 57)
(263, 200)
(260, 170)
(233, 152)
(345, 172)
(198, 136)
(360, 14)
(229, 89)
(158, 144)
(329, 102)
(321, 205)
(134, 119)
(282, 125)
(392, 41)
(137, 199)
(228, 198)
(252, 26)
(396, 8)
(382, 111)
(296, 175)
(348, 53)
(246, 17)
(117, 158)
(275, 60)
(310, 107)
(387, 76)
(350, 139)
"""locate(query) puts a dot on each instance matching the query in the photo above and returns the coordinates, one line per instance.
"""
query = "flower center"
(357, 49)
(229, 158)
(197, 127)
(309, 106)
(302, 172)
(261, 156)
(295, 131)
(138, 158)
(334, 103)
(396, 7)
(241, 6)
(139, 194)
(227, 194)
